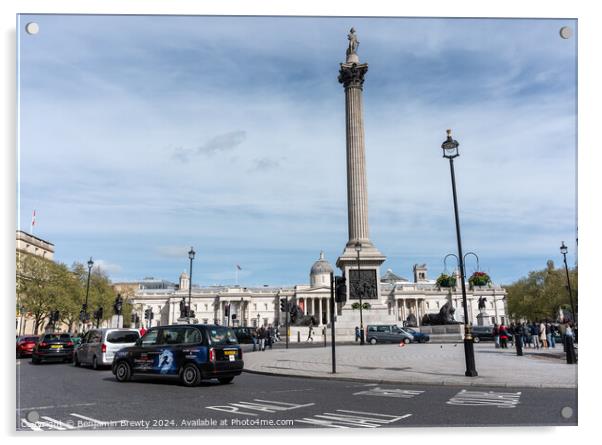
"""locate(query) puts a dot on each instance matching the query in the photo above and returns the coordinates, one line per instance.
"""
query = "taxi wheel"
(190, 375)
(123, 372)
(225, 380)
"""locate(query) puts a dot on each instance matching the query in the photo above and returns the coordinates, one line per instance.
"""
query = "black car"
(243, 334)
(57, 347)
(190, 352)
(482, 333)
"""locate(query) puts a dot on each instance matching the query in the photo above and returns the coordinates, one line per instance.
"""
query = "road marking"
(485, 398)
(346, 419)
(399, 393)
(265, 406)
(89, 419)
(54, 406)
(58, 422)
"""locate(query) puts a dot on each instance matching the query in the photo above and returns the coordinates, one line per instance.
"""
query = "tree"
(541, 294)
(34, 290)
(101, 292)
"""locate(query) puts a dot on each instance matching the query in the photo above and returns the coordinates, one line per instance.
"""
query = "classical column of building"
(351, 75)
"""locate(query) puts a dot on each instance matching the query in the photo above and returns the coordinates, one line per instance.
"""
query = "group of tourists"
(264, 336)
(532, 334)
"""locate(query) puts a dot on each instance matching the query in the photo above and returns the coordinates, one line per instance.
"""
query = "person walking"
(254, 339)
(496, 335)
(142, 331)
(503, 336)
(261, 338)
(553, 331)
(542, 335)
(549, 333)
(534, 331)
(310, 337)
(269, 334)
(357, 334)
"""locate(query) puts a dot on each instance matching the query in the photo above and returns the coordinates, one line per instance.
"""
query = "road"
(62, 397)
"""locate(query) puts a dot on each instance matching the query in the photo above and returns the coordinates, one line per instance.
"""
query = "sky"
(140, 136)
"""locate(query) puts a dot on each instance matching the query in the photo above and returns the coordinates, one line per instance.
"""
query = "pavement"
(435, 364)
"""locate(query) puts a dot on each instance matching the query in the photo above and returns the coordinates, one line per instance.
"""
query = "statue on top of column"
(354, 43)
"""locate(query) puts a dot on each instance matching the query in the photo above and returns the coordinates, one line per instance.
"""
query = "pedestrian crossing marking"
(382, 392)
(485, 398)
(346, 419)
(265, 406)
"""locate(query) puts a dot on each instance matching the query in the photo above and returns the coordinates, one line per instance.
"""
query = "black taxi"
(191, 352)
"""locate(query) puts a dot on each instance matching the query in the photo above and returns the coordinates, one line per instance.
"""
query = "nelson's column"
(351, 75)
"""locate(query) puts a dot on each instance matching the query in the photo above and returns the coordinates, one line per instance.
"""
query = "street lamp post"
(358, 248)
(564, 250)
(85, 306)
(191, 254)
(450, 151)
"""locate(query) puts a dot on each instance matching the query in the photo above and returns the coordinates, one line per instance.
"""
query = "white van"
(98, 346)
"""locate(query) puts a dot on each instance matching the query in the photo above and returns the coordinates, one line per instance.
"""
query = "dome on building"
(390, 277)
(321, 266)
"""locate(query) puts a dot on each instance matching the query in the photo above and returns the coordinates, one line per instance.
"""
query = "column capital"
(351, 75)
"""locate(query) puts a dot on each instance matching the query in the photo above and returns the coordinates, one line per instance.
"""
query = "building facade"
(399, 299)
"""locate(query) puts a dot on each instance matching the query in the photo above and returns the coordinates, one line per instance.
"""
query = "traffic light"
(340, 287)
(82, 315)
(148, 315)
(283, 305)
(233, 316)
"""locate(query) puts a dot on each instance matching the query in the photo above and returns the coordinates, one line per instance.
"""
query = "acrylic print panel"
(199, 181)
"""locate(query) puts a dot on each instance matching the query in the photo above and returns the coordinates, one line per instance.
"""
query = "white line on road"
(89, 419)
(54, 406)
(58, 422)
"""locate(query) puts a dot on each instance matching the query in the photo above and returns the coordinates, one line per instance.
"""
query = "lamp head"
(191, 253)
(563, 249)
(358, 247)
(90, 263)
(450, 147)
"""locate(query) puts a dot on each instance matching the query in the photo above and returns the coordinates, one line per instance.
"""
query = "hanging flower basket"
(479, 279)
(445, 280)
(356, 305)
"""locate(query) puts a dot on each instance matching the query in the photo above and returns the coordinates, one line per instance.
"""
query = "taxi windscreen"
(222, 336)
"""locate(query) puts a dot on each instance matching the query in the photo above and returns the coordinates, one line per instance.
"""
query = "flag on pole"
(33, 220)
(238, 267)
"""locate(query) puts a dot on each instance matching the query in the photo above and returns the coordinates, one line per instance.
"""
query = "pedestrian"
(549, 333)
(269, 334)
(534, 331)
(357, 334)
(542, 334)
(254, 339)
(496, 335)
(262, 335)
(142, 331)
(310, 337)
(503, 336)
(553, 331)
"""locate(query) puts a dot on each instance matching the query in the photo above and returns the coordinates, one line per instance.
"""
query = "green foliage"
(356, 305)
(542, 293)
(445, 280)
(44, 286)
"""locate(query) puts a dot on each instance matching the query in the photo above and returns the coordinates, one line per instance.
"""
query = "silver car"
(98, 346)
(387, 333)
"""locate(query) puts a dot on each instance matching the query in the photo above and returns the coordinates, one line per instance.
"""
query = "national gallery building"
(400, 300)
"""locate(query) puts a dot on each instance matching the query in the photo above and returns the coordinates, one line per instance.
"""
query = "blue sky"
(141, 136)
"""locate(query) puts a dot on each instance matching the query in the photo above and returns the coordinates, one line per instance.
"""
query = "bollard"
(518, 343)
(571, 357)
(298, 336)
